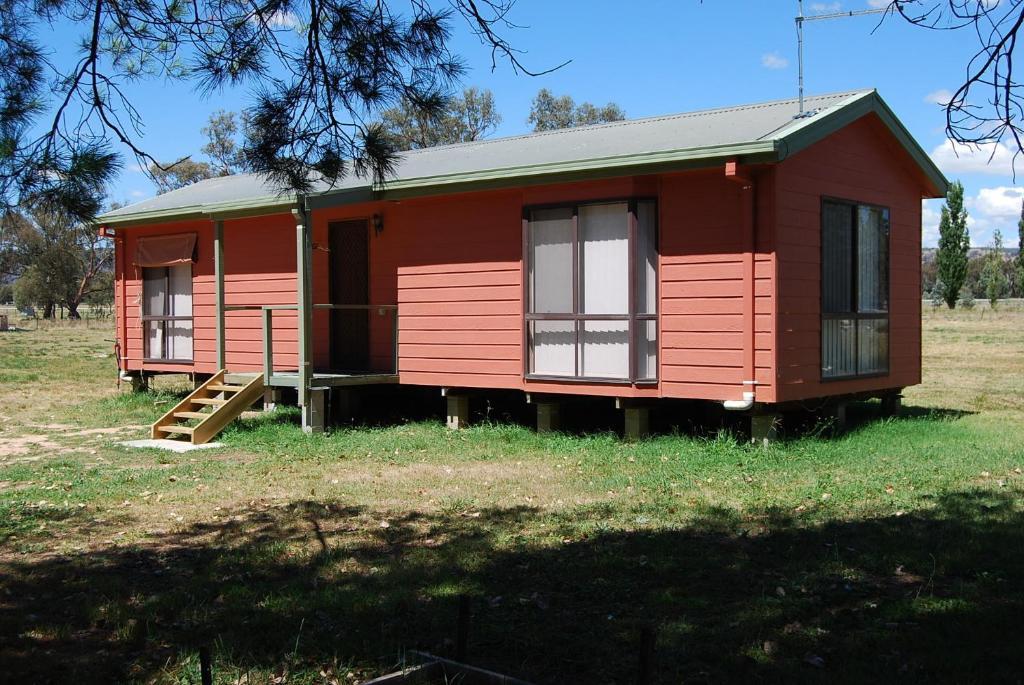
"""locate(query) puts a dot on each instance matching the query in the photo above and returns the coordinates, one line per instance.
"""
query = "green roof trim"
(637, 160)
(811, 130)
(270, 204)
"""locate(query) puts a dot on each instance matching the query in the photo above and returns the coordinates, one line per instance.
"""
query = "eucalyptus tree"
(319, 71)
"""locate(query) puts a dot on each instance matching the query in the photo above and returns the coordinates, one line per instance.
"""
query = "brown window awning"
(165, 250)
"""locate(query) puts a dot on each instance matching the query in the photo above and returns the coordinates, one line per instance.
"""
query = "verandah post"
(218, 273)
(304, 296)
(268, 344)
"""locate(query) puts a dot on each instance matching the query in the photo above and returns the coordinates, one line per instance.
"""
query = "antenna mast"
(800, 19)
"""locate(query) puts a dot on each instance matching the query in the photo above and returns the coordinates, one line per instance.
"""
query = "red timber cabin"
(749, 256)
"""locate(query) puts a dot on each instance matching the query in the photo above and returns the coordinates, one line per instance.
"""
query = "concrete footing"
(637, 422)
(892, 403)
(139, 381)
(271, 398)
(314, 411)
(458, 411)
(549, 417)
(839, 416)
(764, 428)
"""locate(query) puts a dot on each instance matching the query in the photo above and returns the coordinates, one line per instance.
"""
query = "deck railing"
(267, 314)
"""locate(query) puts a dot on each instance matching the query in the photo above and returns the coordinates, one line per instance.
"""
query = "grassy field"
(892, 552)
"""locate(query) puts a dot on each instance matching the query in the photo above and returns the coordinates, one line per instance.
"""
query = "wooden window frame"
(632, 317)
(855, 314)
(162, 319)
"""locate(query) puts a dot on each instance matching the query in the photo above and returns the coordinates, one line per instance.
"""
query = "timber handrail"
(293, 307)
(267, 314)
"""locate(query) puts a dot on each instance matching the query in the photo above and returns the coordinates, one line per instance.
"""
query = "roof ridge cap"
(640, 120)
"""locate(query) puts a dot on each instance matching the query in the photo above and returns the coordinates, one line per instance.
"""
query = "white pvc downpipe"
(740, 405)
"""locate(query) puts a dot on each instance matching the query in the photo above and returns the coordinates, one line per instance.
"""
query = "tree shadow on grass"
(933, 595)
(583, 417)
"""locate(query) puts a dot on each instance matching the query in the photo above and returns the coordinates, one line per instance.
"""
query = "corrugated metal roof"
(211, 192)
(707, 134)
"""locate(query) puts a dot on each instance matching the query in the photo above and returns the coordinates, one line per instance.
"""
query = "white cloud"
(939, 97)
(930, 222)
(987, 210)
(879, 4)
(822, 7)
(283, 19)
(137, 193)
(986, 158)
(1002, 202)
(773, 60)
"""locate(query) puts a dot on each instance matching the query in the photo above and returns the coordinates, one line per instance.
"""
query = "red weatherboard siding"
(703, 289)
(259, 268)
(129, 276)
(863, 163)
(454, 266)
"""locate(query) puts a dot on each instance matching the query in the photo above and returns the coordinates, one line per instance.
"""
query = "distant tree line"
(960, 274)
(50, 261)
(463, 118)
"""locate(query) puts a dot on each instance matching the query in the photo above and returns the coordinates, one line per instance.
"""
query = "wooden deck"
(290, 379)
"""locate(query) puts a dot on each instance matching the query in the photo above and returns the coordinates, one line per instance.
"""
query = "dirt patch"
(23, 444)
(108, 431)
(51, 426)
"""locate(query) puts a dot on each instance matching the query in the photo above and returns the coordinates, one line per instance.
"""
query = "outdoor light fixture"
(378, 224)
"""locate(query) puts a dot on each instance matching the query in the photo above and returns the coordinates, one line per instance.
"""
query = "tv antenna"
(800, 19)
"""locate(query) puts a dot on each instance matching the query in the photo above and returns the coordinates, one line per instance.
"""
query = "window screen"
(854, 290)
(167, 312)
(592, 291)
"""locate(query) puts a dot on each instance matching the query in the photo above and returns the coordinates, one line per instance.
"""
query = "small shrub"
(937, 295)
(966, 298)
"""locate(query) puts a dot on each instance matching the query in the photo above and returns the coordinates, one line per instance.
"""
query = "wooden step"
(187, 430)
(220, 387)
(236, 399)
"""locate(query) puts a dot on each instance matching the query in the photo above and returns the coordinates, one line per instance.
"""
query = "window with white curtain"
(167, 312)
(592, 291)
(854, 290)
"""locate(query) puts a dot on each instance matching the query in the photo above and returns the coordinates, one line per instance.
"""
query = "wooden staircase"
(225, 402)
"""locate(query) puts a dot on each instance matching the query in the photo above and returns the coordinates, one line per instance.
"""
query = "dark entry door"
(350, 276)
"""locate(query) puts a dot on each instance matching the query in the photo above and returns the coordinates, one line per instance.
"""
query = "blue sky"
(662, 56)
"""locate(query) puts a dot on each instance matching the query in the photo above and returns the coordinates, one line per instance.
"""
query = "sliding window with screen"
(167, 313)
(854, 290)
(591, 300)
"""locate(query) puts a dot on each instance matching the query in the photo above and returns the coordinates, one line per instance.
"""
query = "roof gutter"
(274, 204)
(562, 172)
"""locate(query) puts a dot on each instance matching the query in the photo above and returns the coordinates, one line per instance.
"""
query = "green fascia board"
(340, 197)
(596, 173)
(597, 163)
(271, 204)
(814, 129)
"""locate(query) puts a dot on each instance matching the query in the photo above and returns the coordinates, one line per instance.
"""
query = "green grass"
(891, 552)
